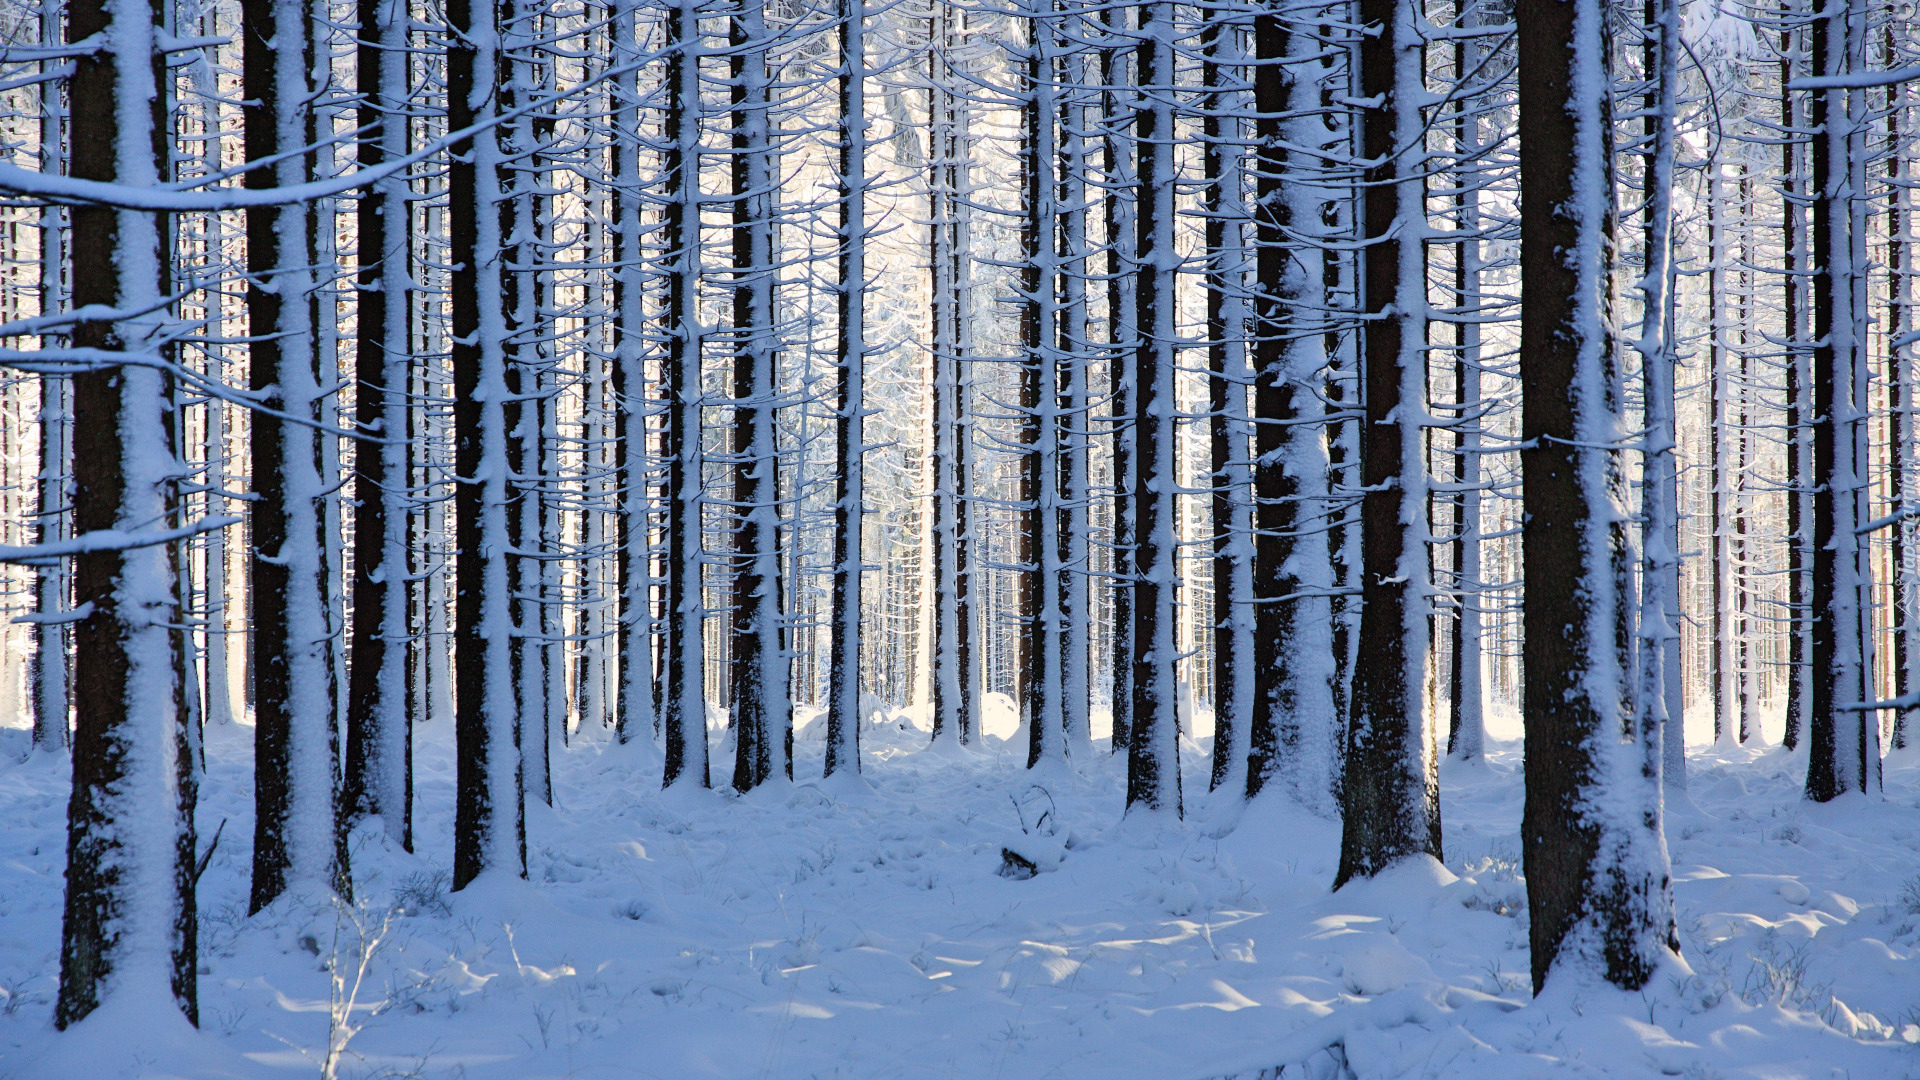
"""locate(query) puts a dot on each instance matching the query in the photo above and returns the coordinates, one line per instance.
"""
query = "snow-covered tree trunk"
(1598, 891)
(379, 776)
(1467, 727)
(1224, 74)
(50, 676)
(1901, 428)
(489, 832)
(1661, 698)
(1843, 739)
(1294, 727)
(1153, 760)
(685, 720)
(1793, 333)
(1117, 174)
(633, 555)
(1075, 550)
(1038, 547)
(952, 667)
(296, 847)
(762, 711)
(850, 349)
(1390, 806)
(127, 935)
(522, 280)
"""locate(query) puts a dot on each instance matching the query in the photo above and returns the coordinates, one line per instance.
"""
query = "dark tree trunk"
(1597, 885)
(1390, 803)
(1843, 740)
(685, 721)
(1116, 168)
(129, 923)
(1153, 763)
(296, 740)
(379, 776)
(489, 833)
(850, 347)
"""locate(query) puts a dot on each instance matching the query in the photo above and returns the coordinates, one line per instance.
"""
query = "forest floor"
(866, 931)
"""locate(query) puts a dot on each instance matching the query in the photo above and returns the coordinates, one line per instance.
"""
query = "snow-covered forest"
(1167, 540)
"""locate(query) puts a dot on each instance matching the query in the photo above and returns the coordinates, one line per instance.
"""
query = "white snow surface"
(859, 930)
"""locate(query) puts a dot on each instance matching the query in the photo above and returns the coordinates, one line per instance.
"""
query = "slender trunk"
(1117, 173)
(633, 548)
(128, 930)
(1660, 715)
(379, 719)
(1390, 805)
(1153, 760)
(1037, 551)
(1597, 877)
(685, 720)
(1073, 484)
(762, 716)
(296, 743)
(849, 490)
(52, 680)
(1467, 733)
(489, 832)
(1224, 73)
(1843, 739)
(1793, 289)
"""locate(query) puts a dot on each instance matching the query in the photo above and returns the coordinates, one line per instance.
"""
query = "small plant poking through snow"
(358, 934)
(423, 893)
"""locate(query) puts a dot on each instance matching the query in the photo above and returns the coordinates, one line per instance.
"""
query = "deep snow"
(864, 930)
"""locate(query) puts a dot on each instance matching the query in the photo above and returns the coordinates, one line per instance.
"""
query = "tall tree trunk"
(1071, 581)
(128, 929)
(1596, 865)
(489, 830)
(1224, 73)
(1153, 760)
(1798, 450)
(850, 348)
(1118, 174)
(1843, 740)
(379, 777)
(1390, 801)
(633, 547)
(51, 678)
(1037, 551)
(1660, 713)
(1294, 728)
(762, 717)
(296, 743)
(685, 720)
(1467, 728)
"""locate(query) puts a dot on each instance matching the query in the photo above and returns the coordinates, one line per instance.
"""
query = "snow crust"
(866, 931)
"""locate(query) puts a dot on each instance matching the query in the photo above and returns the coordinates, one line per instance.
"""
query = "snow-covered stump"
(127, 936)
(1153, 759)
(489, 813)
(296, 846)
(1598, 892)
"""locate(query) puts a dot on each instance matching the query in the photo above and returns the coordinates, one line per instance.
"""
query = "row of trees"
(560, 340)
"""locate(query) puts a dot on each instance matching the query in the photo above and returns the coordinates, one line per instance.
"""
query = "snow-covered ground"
(861, 931)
